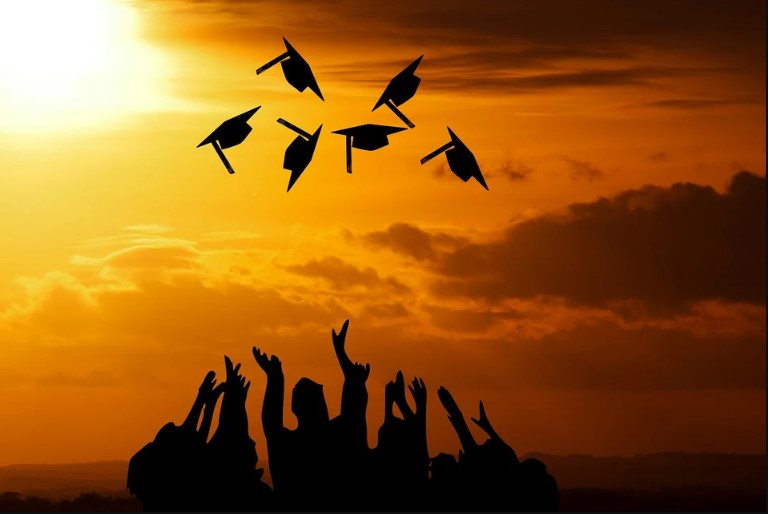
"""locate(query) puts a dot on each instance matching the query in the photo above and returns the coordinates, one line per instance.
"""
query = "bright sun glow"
(73, 63)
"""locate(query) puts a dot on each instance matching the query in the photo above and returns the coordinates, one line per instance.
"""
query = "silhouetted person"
(321, 464)
(233, 481)
(401, 459)
(491, 475)
(167, 474)
(444, 489)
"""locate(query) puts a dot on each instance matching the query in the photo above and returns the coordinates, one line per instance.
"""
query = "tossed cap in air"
(400, 90)
(299, 153)
(296, 70)
(230, 133)
(460, 159)
(366, 137)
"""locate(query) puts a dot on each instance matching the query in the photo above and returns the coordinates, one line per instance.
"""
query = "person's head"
(308, 403)
(443, 467)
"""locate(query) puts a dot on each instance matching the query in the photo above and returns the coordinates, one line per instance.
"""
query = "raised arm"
(484, 423)
(419, 392)
(232, 417)
(197, 407)
(354, 395)
(272, 410)
(399, 396)
(457, 420)
(210, 406)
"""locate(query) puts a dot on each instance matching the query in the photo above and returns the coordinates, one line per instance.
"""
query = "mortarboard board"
(366, 137)
(296, 70)
(401, 89)
(230, 133)
(460, 159)
(299, 153)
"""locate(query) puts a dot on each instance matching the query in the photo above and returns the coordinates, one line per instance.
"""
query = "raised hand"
(203, 392)
(206, 387)
(338, 346)
(355, 371)
(419, 392)
(484, 423)
(457, 420)
(270, 365)
(231, 370)
(399, 396)
(213, 396)
(449, 404)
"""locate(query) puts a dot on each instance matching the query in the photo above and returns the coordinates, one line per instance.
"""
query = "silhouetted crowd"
(326, 464)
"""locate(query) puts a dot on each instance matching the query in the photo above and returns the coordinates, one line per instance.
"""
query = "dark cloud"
(514, 171)
(412, 241)
(342, 275)
(515, 46)
(596, 26)
(583, 170)
(499, 76)
(598, 356)
(386, 311)
(467, 319)
(664, 246)
(689, 104)
(610, 357)
(659, 156)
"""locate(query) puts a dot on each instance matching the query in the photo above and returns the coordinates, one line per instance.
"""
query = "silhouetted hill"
(655, 482)
(58, 481)
(658, 471)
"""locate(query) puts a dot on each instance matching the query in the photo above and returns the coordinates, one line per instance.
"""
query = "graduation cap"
(400, 90)
(299, 153)
(230, 133)
(366, 137)
(461, 161)
(296, 70)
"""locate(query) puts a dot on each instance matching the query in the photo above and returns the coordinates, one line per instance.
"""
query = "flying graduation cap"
(299, 153)
(296, 70)
(461, 161)
(366, 137)
(230, 133)
(400, 90)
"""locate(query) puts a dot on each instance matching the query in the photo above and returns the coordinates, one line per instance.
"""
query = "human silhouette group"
(325, 464)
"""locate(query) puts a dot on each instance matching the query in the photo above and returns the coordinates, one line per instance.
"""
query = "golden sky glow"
(131, 261)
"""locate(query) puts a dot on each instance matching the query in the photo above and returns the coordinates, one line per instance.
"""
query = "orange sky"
(131, 261)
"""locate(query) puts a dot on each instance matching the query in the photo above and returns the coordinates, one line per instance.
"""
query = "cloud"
(514, 171)
(149, 228)
(659, 156)
(583, 170)
(663, 246)
(412, 241)
(145, 257)
(387, 311)
(502, 77)
(467, 319)
(688, 104)
(343, 276)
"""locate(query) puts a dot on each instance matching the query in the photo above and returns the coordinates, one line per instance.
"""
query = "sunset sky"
(606, 296)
